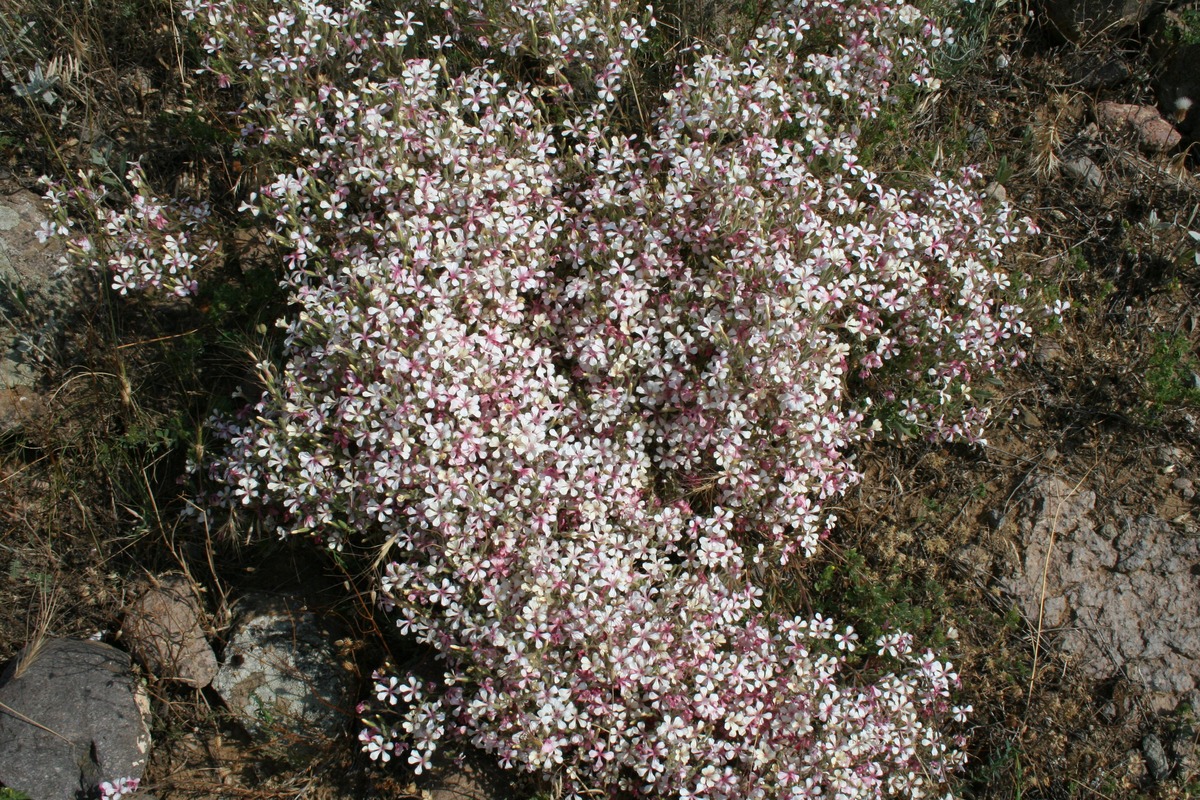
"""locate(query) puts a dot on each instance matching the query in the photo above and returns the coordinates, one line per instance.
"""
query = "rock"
(282, 678)
(17, 405)
(975, 562)
(1091, 72)
(33, 293)
(1085, 171)
(1049, 514)
(1189, 706)
(977, 137)
(1153, 132)
(1049, 354)
(1186, 489)
(1133, 546)
(26, 263)
(162, 628)
(1170, 457)
(1116, 592)
(996, 191)
(73, 716)
(1077, 19)
(995, 518)
(1157, 762)
(1183, 751)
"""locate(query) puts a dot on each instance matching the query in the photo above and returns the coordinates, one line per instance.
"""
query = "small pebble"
(1156, 758)
(1168, 456)
(1086, 172)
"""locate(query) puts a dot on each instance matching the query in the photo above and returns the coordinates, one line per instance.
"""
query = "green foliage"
(252, 299)
(1186, 26)
(1004, 171)
(1013, 620)
(1079, 261)
(13, 794)
(195, 131)
(858, 595)
(889, 143)
(972, 23)
(1003, 766)
(1171, 374)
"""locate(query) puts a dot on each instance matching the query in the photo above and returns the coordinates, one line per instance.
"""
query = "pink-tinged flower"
(570, 376)
(420, 760)
(378, 749)
(119, 788)
(388, 691)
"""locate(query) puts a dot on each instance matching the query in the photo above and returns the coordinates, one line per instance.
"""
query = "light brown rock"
(1152, 130)
(34, 292)
(1114, 590)
(163, 630)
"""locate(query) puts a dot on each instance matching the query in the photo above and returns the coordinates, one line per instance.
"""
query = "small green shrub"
(1171, 373)
(1187, 26)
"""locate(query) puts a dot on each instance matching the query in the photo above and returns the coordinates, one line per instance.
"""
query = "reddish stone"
(163, 630)
(1153, 131)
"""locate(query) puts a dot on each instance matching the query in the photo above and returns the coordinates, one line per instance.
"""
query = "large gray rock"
(282, 678)
(163, 629)
(1080, 19)
(72, 716)
(1115, 591)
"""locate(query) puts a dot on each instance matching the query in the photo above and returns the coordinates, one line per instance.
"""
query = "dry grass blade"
(7, 709)
(48, 600)
(1047, 140)
(1037, 639)
(1174, 175)
(47, 605)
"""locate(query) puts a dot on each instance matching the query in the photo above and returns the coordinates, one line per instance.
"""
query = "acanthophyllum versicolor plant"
(578, 359)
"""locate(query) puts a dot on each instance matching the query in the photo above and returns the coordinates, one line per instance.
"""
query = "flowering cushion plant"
(580, 361)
